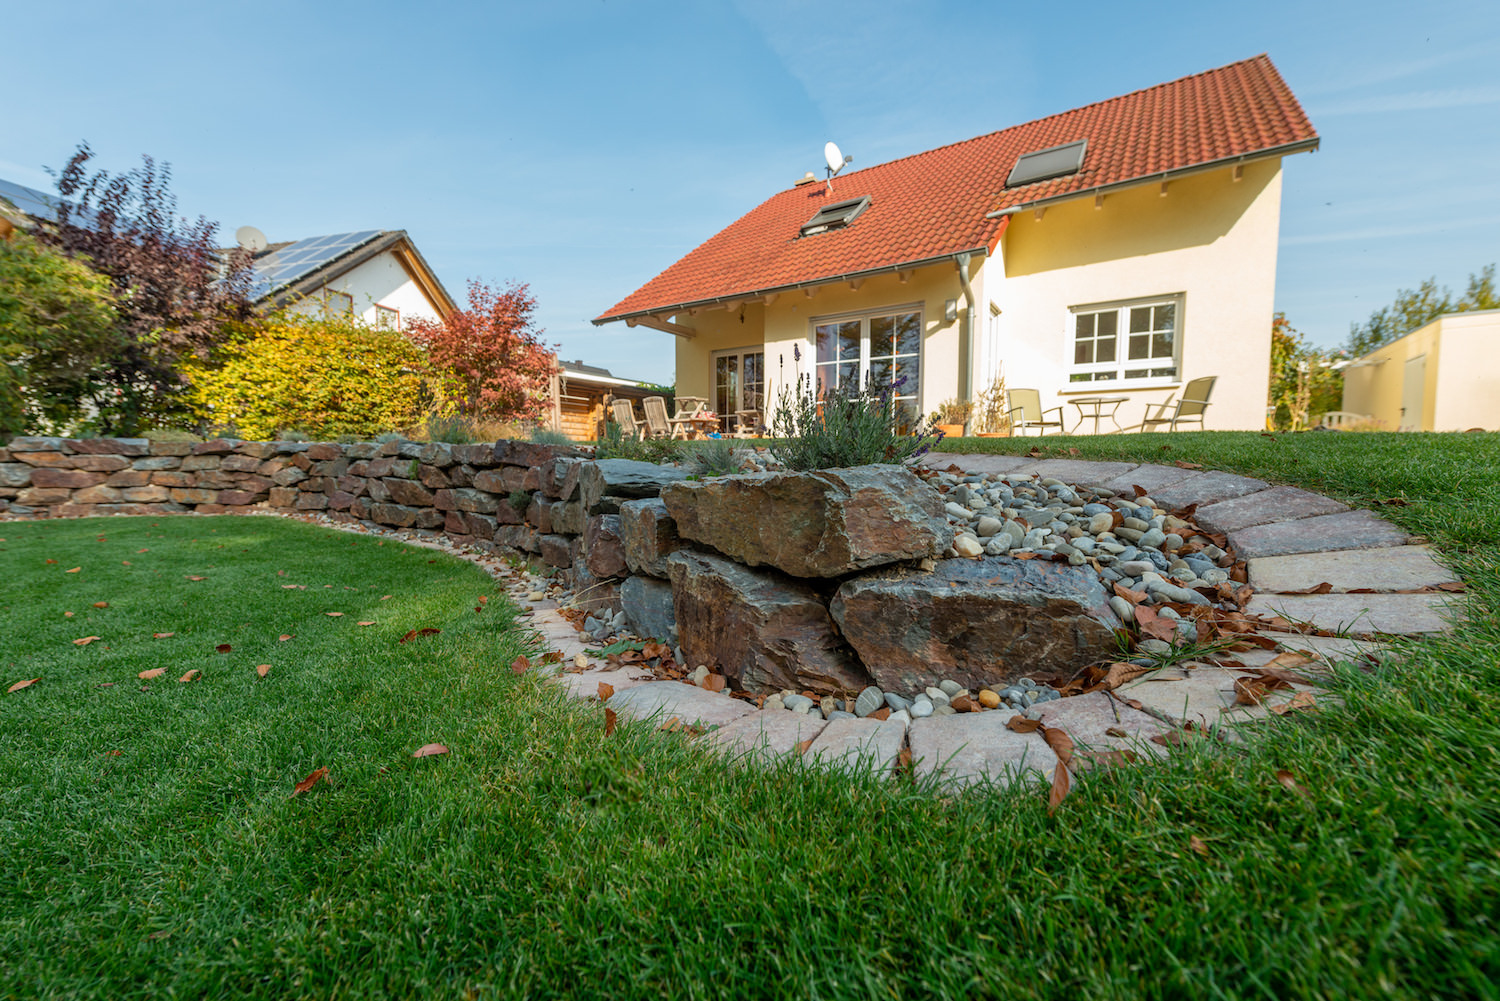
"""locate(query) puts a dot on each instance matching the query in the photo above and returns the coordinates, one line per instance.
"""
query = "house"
(1444, 376)
(580, 395)
(376, 275)
(1118, 249)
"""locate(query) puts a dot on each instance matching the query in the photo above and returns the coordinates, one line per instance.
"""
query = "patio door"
(739, 382)
(879, 350)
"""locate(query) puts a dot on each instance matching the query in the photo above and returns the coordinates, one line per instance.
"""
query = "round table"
(1093, 406)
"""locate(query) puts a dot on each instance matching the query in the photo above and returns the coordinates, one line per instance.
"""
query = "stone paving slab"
(1204, 695)
(1264, 508)
(1396, 568)
(1330, 648)
(969, 748)
(766, 734)
(1085, 718)
(1324, 533)
(1080, 472)
(864, 744)
(971, 463)
(692, 705)
(586, 685)
(1358, 613)
(1149, 478)
(1206, 489)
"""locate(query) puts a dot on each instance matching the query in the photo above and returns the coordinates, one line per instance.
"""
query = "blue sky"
(584, 147)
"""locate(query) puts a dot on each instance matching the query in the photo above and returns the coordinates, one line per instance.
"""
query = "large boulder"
(601, 541)
(605, 483)
(978, 622)
(649, 536)
(649, 610)
(822, 524)
(761, 629)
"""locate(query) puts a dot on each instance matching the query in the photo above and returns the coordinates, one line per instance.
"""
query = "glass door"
(739, 384)
(881, 351)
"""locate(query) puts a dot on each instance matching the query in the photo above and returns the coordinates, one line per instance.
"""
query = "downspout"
(966, 388)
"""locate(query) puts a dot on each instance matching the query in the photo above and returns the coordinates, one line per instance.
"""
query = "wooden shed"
(581, 395)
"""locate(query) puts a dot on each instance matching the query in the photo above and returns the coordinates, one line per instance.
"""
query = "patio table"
(1093, 406)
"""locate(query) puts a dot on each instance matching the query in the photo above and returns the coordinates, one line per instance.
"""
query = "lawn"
(544, 858)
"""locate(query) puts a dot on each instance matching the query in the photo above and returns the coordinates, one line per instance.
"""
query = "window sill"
(1111, 388)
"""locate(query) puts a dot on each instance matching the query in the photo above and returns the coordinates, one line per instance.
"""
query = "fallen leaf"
(190, 676)
(414, 633)
(803, 745)
(1103, 759)
(289, 587)
(51, 561)
(280, 639)
(1323, 588)
(334, 615)
(197, 578)
(22, 684)
(605, 691)
(1289, 781)
(1118, 674)
(84, 640)
(155, 672)
(125, 563)
(1134, 597)
(518, 666)
(143, 550)
(262, 669)
(903, 760)
(1183, 464)
(310, 781)
(370, 622)
(1198, 845)
(1062, 784)
(101, 604)
(1300, 701)
(1452, 585)
(1074, 451)
(715, 682)
(67, 615)
(609, 722)
(428, 750)
(223, 648)
(74, 570)
(385, 597)
(1020, 724)
(1115, 731)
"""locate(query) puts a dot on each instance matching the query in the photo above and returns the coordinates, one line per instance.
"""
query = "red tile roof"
(936, 203)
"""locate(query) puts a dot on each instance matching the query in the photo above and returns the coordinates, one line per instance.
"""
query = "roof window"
(1045, 164)
(835, 216)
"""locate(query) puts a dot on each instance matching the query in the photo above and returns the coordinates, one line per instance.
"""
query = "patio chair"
(658, 424)
(747, 423)
(1026, 412)
(1336, 419)
(625, 417)
(1186, 410)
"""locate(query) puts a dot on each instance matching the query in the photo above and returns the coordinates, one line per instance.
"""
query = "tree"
(325, 378)
(1415, 307)
(175, 290)
(58, 334)
(1304, 382)
(489, 360)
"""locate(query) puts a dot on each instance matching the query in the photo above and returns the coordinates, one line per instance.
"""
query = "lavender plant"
(846, 426)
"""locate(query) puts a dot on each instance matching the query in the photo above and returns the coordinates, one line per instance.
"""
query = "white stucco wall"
(379, 281)
(1461, 376)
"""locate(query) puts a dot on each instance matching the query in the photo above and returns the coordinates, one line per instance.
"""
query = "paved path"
(1295, 542)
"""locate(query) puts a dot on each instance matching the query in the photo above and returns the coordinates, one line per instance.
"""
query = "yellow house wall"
(1211, 239)
(1462, 375)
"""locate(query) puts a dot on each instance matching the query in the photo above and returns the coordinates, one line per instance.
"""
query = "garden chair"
(625, 417)
(1336, 419)
(1188, 409)
(1026, 412)
(658, 424)
(747, 423)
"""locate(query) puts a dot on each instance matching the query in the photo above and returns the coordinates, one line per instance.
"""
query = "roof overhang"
(1304, 146)
(402, 249)
(656, 317)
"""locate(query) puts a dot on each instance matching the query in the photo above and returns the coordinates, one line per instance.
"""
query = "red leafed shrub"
(489, 359)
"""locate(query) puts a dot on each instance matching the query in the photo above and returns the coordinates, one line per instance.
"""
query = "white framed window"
(338, 304)
(387, 318)
(740, 381)
(879, 349)
(1139, 341)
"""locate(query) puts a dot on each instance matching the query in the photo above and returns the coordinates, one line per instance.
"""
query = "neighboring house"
(378, 276)
(1119, 249)
(580, 396)
(1444, 376)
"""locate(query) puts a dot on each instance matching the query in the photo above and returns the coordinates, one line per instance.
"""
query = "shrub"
(845, 427)
(58, 334)
(324, 378)
(712, 458)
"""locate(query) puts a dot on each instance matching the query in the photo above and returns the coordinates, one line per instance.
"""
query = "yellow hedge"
(323, 378)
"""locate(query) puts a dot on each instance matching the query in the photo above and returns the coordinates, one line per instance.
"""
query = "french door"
(879, 350)
(740, 381)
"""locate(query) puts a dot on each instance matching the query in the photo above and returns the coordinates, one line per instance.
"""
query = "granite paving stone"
(1358, 613)
(1206, 488)
(1328, 532)
(976, 747)
(586, 684)
(1150, 478)
(1085, 718)
(1396, 568)
(1081, 472)
(1329, 648)
(1203, 695)
(661, 700)
(767, 734)
(1264, 508)
(864, 744)
(976, 463)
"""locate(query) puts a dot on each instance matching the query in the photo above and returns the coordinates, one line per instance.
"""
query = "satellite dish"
(251, 239)
(833, 156)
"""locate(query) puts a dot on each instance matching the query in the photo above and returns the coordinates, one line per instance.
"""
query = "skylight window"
(1045, 164)
(835, 216)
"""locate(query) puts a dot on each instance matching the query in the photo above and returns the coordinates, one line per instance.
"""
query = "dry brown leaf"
(101, 604)
(310, 781)
(606, 691)
(262, 669)
(67, 615)
(84, 640)
(1452, 585)
(1134, 597)
(196, 578)
(518, 666)
(1323, 588)
(1198, 845)
(1118, 674)
(51, 561)
(412, 634)
(371, 622)
(22, 684)
(903, 760)
(428, 750)
(334, 615)
(1062, 784)
(190, 676)
(882, 714)
(74, 570)
(1289, 782)
(162, 636)
(1115, 731)
(1184, 464)
(155, 672)
(1103, 759)
(803, 745)
(715, 682)
(1060, 742)
(223, 648)
(1020, 724)
(609, 722)
(1298, 702)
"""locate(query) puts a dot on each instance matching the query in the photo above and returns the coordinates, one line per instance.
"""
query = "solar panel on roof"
(36, 204)
(281, 268)
(1044, 164)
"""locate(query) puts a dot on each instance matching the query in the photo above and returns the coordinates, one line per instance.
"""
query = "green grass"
(542, 858)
